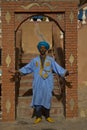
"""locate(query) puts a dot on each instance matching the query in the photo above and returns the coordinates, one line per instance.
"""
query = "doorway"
(38, 28)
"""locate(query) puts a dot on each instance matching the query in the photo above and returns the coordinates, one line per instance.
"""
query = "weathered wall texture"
(82, 70)
(10, 22)
(32, 33)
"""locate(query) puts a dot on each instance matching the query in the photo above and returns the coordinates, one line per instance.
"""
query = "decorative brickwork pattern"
(9, 25)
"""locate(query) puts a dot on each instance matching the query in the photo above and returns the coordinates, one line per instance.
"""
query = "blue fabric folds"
(43, 82)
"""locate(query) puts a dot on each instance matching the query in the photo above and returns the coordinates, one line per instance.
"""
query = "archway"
(10, 22)
(34, 29)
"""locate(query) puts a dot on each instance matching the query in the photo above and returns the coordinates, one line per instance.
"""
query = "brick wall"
(68, 25)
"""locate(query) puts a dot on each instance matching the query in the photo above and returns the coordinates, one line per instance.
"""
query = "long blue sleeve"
(58, 69)
(27, 69)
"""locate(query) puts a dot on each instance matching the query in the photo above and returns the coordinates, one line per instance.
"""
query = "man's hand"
(15, 75)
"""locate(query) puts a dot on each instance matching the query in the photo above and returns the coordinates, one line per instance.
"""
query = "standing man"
(42, 67)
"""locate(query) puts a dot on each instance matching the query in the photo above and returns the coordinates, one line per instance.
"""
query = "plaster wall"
(32, 33)
(82, 70)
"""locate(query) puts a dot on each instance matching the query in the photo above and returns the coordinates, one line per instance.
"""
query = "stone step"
(26, 86)
(25, 111)
(27, 57)
(30, 77)
(29, 84)
(26, 91)
(25, 101)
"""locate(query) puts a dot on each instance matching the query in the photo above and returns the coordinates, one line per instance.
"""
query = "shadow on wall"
(60, 54)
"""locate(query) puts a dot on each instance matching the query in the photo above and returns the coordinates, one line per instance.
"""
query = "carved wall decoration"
(36, 4)
(72, 104)
(71, 17)
(71, 59)
(59, 17)
(8, 17)
(18, 17)
(8, 60)
(8, 106)
(30, 6)
(11, 0)
(49, 6)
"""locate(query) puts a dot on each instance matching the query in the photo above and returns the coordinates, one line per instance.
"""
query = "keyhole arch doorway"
(32, 30)
(57, 33)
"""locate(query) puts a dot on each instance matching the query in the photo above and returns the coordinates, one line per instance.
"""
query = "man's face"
(43, 50)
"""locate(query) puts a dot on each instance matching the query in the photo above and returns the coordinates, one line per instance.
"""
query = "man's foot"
(37, 120)
(49, 119)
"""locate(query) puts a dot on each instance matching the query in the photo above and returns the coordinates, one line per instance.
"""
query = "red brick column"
(8, 61)
(71, 60)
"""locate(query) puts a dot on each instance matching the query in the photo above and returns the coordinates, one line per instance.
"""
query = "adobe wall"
(10, 9)
(32, 33)
(82, 70)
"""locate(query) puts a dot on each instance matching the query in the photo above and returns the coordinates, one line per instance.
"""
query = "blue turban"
(43, 43)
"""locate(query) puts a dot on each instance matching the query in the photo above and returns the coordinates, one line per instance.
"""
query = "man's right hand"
(15, 74)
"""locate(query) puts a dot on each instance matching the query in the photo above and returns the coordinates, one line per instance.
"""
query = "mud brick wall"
(10, 25)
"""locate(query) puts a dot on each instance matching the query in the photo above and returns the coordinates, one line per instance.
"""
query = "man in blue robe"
(42, 68)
